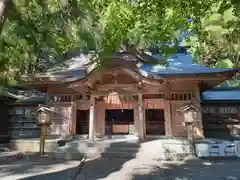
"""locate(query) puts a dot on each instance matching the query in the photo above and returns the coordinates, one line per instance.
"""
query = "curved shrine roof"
(179, 64)
(79, 66)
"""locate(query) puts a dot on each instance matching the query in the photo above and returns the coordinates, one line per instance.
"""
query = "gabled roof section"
(70, 70)
(16, 95)
(77, 67)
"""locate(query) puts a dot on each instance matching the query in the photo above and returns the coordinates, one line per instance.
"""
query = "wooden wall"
(21, 123)
(177, 117)
(221, 119)
(62, 120)
(65, 122)
(178, 128)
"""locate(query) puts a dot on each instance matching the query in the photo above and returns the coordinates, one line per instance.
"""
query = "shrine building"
(130, 95)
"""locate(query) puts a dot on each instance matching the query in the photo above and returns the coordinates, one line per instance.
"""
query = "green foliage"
(37, 34)
(216, 40)
(226, 63)
(218, 36)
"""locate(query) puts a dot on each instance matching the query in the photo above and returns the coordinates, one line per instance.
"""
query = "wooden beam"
(104, 93)
(113, 86)
(197, 78)
(78, 83)
(153, 82)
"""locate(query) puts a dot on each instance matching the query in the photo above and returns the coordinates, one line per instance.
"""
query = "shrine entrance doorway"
(119, 121)
(155, 121)
(82, 125)
(119, 113)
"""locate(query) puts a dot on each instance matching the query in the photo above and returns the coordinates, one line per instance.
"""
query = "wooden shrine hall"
(128, 96)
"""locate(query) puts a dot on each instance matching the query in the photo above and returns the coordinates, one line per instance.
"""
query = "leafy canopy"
(38, 34)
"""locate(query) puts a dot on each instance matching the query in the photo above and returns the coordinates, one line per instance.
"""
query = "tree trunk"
(4, 8)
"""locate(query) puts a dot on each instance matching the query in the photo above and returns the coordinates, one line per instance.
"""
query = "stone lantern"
(44, 119)
(191, 120)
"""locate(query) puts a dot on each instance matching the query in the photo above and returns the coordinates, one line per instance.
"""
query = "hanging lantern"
(190, 114)
(44, 118)
(44, 115)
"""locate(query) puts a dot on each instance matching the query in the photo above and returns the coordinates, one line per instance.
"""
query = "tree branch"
(4, 8)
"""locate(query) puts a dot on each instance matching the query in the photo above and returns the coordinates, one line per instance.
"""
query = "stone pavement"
(134, 169)
(32, 171)
(203, 170)
(120, 169)
(33, 167)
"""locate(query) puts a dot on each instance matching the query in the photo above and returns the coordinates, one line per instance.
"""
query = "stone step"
(123, 136)
(106, 154)
(119, 155)
(125, 144)
(78, 156)
(84, 148)
(122, 149)
(67, 156)
(100, 144)
(78, 150)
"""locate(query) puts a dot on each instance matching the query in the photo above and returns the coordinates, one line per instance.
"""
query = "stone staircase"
(106, 148)
(122, 147)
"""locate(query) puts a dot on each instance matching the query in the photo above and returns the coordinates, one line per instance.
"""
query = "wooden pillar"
(73, 118)
(168, 110)
(140, 117)
(91, 117)
(199, 129)
(47, 97)
(99, 125)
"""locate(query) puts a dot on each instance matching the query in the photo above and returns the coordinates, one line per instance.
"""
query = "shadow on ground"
(141, 167)
(121, 170)
(32, 166)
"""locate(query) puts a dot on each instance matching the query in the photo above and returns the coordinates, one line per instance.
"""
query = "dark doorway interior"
(119, 121)
(155, 121)
(82, 122)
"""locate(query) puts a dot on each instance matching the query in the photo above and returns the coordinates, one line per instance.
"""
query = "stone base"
(32, 145)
